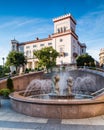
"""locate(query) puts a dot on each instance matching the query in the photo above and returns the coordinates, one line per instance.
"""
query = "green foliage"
(3, 70)
(15, 58)
(26, 70)
(47, 57)
(10, 85)
(5, 92)
(6, 69)
(85, 60)
(36, 69)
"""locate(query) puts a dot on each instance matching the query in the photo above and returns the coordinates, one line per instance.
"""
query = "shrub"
(26, 70)
(36, 69)
(63, 68)
(10, 84)
(5, 92)
(32, 70)
(14, 72)
(29, 69)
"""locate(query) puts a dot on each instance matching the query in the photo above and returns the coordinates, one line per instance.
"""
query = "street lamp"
(85, 65)
(3, 65)
(50, 60)
(3, 61)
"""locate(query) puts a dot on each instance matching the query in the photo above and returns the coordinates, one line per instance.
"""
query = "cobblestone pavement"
(11, 120)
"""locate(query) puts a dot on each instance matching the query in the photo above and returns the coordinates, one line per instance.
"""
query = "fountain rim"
(16, 96)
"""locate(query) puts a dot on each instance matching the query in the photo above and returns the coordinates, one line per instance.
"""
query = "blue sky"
(27, 19)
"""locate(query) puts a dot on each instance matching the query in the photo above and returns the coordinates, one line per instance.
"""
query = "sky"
(25, 20)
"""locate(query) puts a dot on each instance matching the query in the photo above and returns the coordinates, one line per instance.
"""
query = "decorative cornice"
(64, 17)
(65, 33)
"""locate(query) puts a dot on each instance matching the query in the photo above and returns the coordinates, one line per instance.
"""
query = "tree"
(10, 84)
(47, 57)
(85, 60)
(16, 59)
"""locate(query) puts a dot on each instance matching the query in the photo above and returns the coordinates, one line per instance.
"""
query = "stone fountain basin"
(58, 109)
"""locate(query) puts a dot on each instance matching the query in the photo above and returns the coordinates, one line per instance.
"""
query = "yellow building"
(101, 57)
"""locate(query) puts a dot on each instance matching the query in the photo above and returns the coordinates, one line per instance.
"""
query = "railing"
(91, 68)
(97, 92)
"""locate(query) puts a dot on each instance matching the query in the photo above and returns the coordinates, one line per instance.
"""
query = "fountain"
(65, 96)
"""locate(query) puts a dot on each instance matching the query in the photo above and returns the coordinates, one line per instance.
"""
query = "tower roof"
(64, 17)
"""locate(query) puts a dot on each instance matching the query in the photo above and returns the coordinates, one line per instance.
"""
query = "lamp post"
(3, 61)
(85, 65)
(3, 65)
(50, 60)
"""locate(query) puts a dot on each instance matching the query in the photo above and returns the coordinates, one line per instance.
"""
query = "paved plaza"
(11, 120)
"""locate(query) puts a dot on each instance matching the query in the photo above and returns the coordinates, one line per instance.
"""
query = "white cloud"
(91, 31)
(94, 52)
(23, 29)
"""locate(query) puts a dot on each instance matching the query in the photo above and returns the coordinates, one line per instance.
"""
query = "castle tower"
(65, 39)
(64, 23)
(14, 44)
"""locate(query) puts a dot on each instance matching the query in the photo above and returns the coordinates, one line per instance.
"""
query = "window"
(61, 29)
(61, 49)
(49, 43)
(58, 30)
(13, 47)
(61, 40)
(27, 47)
(73, 40)
(64, 29)
(74, 48)
(65, 54)
(28, 53)
(41, 44)
(34, 46)
(21, 49)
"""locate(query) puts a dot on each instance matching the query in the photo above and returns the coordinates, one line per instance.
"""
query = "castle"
(64, 40)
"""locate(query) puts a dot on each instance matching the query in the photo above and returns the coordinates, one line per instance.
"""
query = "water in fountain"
(84, 85)
(62, 85)
(63, 82)
(39, 86)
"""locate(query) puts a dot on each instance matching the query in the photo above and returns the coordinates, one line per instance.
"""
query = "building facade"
(101, 57)
(64, 40)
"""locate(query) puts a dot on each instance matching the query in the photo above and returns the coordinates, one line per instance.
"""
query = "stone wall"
(21, 82)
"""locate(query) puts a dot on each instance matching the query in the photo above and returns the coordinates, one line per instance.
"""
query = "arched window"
(61, 29)
(64, 29)
(58, 30)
